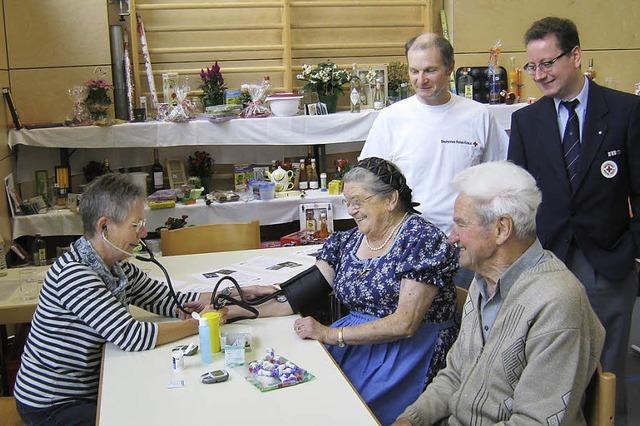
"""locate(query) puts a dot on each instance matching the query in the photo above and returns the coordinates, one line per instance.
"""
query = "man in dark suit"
(585, 156)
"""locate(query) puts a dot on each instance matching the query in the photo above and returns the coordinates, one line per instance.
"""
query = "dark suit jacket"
(596, 214)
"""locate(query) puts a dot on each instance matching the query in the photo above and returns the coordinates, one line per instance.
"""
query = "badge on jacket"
(609, 169)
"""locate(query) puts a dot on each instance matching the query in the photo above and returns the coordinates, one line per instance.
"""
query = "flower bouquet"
(212, 86)
(324, 78)
(201, 165)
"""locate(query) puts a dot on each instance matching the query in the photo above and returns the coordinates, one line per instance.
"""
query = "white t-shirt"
(430, 144)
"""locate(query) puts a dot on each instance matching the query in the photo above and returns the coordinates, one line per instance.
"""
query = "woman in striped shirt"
(84, 303)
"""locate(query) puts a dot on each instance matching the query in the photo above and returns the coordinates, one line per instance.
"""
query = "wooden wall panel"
(41, 94)
(57, 33)
(371, 33)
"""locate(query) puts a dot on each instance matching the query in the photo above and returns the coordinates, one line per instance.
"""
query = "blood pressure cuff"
(306, 289)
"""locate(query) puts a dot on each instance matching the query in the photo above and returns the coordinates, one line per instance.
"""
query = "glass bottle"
(354, 90)
(39, 251)
(144, 106)
(590, 73)
(512, 76)
(266, 86)
(324, 230)
(302, 183)
(157, 172)
(378, 96)
(310, 222)
(312, 175)
(465, 84)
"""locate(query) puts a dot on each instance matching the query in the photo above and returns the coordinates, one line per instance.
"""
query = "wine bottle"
(465, 84)
(354, 90)
(312, 175)
(303, 184)
(157, 171)
(39, 251)
(378, 97)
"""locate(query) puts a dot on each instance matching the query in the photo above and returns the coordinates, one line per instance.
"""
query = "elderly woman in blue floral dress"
(394, 274)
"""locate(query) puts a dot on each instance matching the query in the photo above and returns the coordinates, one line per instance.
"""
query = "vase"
(207, 184)
(97, 111)
(331, 101)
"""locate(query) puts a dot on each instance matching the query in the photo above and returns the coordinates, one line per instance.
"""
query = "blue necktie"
(571, 141)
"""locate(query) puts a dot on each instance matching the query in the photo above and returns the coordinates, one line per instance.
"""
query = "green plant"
(201, 164)
(324, 78)
(212, 85)
(398, 73)
(98, 92)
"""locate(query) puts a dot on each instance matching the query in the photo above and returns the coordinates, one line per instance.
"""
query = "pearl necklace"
(391, 234)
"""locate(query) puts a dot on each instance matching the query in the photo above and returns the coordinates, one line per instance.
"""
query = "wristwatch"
(341, 343)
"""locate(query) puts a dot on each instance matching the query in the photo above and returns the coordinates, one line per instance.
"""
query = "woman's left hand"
(309, 328)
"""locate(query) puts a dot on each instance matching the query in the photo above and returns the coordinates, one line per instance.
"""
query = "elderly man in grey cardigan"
(529, 341)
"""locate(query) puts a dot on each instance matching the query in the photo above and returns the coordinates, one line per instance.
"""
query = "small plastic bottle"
(205, 341)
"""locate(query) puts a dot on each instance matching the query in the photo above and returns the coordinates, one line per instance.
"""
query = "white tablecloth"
(270, 138)
(280, 210)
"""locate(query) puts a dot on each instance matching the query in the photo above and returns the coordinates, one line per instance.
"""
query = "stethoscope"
(218, 299)
(153, 260)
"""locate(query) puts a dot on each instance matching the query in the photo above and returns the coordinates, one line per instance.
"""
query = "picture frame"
(12, 196)
(42, 182)
(176, 172)
(366, 97)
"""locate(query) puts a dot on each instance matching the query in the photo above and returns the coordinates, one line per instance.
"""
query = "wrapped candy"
(180, 112)
(256, 108)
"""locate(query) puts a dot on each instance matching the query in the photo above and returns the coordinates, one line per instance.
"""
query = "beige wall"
(53, 45)
(609, 33)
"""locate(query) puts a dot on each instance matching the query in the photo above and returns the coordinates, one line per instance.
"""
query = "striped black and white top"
(75, 316)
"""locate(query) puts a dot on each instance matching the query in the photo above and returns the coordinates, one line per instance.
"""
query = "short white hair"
(500, 188)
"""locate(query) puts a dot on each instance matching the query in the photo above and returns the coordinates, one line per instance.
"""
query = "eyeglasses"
(139, 224)
(544, 66)
(355, 202)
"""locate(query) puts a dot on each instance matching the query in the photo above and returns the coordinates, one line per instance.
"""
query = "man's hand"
(402, 421)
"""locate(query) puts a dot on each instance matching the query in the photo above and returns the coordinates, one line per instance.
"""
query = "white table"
(279, 210)
(133, 387)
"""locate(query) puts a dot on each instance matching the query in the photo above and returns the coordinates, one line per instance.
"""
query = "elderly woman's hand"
(309, 328)
(254, 291)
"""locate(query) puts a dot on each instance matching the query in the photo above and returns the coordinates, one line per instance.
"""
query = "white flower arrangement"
(324, 78)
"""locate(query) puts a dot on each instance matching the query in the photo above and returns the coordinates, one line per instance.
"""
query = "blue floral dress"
(390, 376)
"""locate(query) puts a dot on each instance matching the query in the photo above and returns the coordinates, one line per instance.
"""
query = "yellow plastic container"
(335, 187)
(214, 328)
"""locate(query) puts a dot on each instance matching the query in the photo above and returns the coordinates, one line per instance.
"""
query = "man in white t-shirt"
(433, 135)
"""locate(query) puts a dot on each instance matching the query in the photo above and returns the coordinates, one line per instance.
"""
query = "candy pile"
(277, 367)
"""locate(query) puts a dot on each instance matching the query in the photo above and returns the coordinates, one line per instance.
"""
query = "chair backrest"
(600, 401)
(210, 238)
(461, 296)
(9, 413)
